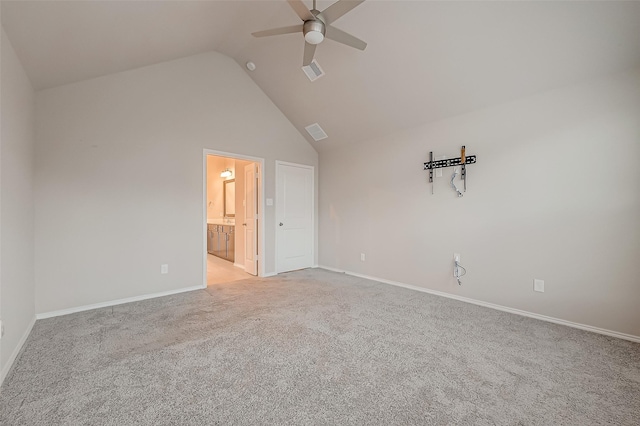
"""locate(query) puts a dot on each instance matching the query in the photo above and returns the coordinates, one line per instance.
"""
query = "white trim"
(16, 351)
(261, 201)
(554, 320)
(270, 274)
(114, 302)
(313, 209)
(237, 265)
(205, 232)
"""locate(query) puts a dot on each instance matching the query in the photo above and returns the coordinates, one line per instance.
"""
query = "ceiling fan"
(317, 25)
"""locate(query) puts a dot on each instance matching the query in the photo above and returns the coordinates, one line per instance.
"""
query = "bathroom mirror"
(229, 195)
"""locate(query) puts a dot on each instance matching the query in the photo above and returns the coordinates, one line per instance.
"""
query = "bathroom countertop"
(221, 222)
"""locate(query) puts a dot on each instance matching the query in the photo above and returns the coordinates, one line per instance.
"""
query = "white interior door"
(250, 224)
(294, 215)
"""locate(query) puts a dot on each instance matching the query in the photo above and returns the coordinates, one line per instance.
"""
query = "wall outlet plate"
(164, 268)
(456, 257)
(538, 285)
(362, 257)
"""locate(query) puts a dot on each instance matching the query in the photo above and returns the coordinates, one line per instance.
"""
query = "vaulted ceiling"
(425, 60)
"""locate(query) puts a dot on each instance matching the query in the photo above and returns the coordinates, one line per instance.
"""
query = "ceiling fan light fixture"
(313, 32)
(314, 37)
(317, 26)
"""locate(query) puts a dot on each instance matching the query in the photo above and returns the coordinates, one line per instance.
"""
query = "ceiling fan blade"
(302, 11)
(345, 38)
(309, 51)
(278, 31)
(337, 10)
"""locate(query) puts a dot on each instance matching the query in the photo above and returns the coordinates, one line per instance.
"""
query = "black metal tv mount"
(463, 160)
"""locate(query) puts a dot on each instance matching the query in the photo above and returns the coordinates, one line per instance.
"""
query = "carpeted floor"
(317, 347)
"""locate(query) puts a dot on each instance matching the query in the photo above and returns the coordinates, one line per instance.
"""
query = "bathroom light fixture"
(226, 173)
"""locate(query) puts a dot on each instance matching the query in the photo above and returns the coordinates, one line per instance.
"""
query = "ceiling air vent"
(313, 70)
(316, 132)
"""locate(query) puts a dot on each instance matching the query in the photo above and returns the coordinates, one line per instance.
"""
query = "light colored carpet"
(317, 347)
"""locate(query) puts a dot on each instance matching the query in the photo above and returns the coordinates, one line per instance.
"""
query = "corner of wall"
(17, 243)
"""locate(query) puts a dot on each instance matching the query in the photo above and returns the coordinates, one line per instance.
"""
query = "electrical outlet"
(164, 268)
(538, 285)
(362, 257)
(456, 257)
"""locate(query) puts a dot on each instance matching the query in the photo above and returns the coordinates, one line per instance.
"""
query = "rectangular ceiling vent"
(313, 70)
(316, 132)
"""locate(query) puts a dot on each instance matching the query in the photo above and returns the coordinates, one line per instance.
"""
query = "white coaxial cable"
(459, 271)
(453, 185)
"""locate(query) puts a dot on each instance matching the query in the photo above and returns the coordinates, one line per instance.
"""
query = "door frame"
(261, 228)
(313, 210)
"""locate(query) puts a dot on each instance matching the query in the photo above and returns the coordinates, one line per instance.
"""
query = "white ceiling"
(425, 60)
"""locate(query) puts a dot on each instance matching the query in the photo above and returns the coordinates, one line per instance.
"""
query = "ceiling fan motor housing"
(313, 31)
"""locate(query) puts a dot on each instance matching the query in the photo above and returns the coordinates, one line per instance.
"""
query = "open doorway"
(233, 217)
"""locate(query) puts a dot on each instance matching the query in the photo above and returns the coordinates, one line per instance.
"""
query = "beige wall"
(555, 195)
(16, 205)
(119, 184)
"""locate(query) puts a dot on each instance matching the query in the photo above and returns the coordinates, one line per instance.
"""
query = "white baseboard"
(238, 265)
(598, 330)
(115, 302)
(16, 351)
(269, 274)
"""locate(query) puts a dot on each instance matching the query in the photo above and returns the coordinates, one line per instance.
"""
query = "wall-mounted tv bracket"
(463, 160)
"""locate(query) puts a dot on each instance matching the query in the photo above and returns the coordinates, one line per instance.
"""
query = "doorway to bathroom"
(233, 223)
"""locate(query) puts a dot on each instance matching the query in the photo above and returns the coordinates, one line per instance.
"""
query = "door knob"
(244, 224)
(281, 223)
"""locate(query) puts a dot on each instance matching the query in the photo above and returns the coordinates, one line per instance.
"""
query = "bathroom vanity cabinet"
(221, 241)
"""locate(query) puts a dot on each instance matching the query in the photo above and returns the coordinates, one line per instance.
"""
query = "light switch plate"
(538, 285)
(269, 201)
(164, 268)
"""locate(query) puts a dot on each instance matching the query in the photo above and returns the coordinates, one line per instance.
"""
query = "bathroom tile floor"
(223, 271)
